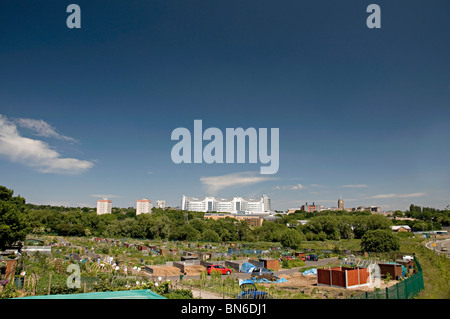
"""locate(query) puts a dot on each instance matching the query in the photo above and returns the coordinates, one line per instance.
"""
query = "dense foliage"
(177, 225)
(13, 224)
(18, 218)
(380, 241)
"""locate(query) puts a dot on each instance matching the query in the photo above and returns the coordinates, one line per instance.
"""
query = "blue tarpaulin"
(310, 271)
(247, 267)
(264, 280)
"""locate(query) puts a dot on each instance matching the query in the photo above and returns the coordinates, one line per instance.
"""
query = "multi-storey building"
(230, 205)
(143, 206)
(160, 204)
(104, 206)
(255, 220)
(310, 208)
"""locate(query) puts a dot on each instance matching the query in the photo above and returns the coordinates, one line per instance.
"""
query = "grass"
(436, 270)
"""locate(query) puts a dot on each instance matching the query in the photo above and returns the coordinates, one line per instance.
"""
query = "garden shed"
(271, 263)
(343, 277)
(393, 269)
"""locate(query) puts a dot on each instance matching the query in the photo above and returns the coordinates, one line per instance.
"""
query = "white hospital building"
(230, 205)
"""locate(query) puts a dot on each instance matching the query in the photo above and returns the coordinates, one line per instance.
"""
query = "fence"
(406, 289)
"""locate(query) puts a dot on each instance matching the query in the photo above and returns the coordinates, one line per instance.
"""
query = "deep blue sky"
(363, 113)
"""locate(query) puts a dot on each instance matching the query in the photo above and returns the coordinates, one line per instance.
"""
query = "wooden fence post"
(331, 277)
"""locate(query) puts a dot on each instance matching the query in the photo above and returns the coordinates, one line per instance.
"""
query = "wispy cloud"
(354, 186)
(217, 183)
(43, 129)
(35, 153)
(318, 185)
(104, 196)
(392, 195)
(290, 187)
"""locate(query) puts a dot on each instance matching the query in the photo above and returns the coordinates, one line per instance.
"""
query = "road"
(442, 246)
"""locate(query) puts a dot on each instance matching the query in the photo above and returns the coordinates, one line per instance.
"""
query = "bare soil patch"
(308, 285)
(194, 270)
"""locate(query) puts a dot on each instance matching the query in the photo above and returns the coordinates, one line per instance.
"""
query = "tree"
(379, 240)
(188, 232)
(291, 238)
(13, 227)
(210, 235)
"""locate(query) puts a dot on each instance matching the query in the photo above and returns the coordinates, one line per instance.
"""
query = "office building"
(310, 208)
(254, 220)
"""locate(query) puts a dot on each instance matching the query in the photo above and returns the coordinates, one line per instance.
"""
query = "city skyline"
(363, 113)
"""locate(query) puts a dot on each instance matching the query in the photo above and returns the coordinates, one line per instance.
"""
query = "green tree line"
(17, 219)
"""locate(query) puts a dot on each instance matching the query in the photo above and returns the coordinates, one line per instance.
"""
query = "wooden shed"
(270, 263)
(343, 277)
(395, 270)
(142, 247)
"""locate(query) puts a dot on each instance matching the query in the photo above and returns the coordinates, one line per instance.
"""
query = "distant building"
(340, 204)
(229, 205)
(372, 209)
(143, 206)
(266, 201)
(375, 209)
(401, 228)
(307, 208)
(161, 204)
(310, 208)
(251, 219)
(104, 206)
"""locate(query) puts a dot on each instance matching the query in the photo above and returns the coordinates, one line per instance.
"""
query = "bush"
(294, 263)
(291, 238)
(165, 290)
(9, 291)
(380, 241)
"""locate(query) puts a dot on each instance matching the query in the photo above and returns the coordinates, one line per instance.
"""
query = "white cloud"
(392, 195)
(104, 196)
(318, 185)
(42, 128)
(217, 183)
(355, 186)
(35, 153)
(290, 187)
